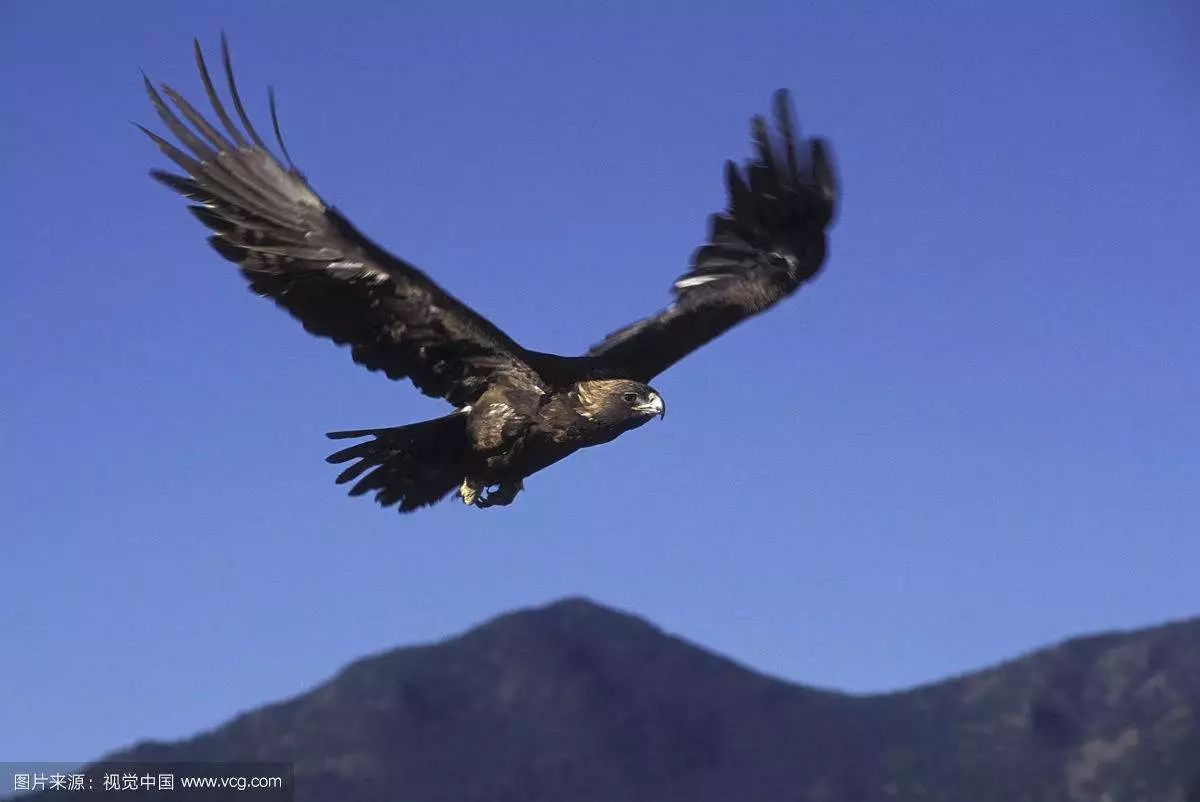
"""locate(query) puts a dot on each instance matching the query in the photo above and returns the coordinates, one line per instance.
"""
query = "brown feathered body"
(517, 411)
(508, 434)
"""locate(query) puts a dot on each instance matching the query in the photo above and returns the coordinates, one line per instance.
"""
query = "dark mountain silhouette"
(576, 702)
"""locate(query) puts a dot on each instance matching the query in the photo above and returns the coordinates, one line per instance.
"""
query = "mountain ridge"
(575, 700)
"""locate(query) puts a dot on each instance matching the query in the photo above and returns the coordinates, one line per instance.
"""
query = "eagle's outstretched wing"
(769, 241)
(306, 256)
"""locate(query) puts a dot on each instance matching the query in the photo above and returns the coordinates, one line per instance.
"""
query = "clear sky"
(974, 434)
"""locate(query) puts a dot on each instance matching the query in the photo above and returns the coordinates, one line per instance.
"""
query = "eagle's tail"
(413, 465)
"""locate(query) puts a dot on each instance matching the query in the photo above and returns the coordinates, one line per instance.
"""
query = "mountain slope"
(579, 702)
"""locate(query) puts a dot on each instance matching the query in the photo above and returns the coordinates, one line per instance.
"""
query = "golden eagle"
(516, 411)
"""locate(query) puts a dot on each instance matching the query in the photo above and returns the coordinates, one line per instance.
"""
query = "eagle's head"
(617, 404)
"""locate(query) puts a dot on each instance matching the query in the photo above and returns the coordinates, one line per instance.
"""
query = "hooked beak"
(654, 406)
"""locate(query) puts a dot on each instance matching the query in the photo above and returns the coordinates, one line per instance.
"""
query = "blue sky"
(975, 434)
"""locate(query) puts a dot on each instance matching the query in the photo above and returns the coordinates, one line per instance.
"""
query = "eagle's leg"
(469, 491)
(502, 496)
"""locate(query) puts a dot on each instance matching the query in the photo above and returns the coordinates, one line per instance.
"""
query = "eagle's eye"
(630, 397)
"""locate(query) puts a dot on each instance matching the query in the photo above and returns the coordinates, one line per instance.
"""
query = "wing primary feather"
(229, 160)
(210, 164)
(237, 100)
(739, 193)
(184, 186)
(190, 165)
(215, 99)
(275, 125)
(185, 134)
(215, 138)
(173, 153)
(823, 174)
(783, 118)
(763, 140)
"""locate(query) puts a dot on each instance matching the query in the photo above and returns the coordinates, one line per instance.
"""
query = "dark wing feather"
(306, 256)
(768, 241)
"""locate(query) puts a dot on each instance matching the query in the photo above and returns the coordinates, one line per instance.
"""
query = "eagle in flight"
(516, 410)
